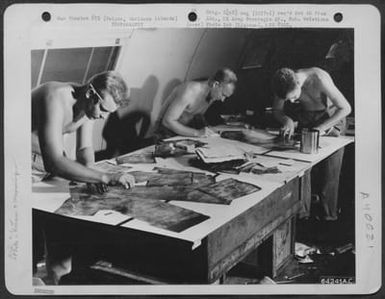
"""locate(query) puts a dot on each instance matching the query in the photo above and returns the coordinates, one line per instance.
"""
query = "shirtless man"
(183, 114)
(321, 105)
(60, 108)
(317, 104)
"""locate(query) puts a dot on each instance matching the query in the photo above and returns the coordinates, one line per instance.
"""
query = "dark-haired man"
(184, 109)
(319, 103)
(313, 102)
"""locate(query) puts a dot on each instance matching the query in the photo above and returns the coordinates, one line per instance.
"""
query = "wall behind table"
(152, 62)
(269, 49)
(155, 61)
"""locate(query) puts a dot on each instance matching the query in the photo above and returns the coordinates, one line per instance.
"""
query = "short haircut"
(113, 83)
(224, 75)
(283, 82)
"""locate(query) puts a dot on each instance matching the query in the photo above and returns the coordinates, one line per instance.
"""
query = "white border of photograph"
(24, 30)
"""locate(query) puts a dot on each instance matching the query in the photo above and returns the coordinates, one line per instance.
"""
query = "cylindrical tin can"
(309, 141)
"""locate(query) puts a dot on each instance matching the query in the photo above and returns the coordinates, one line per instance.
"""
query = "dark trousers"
(325, 176)
(325, 179)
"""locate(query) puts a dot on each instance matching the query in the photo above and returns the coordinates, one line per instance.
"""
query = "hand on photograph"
(288, 128)
(97, 188)
(124, 179)
(331, 132)
(207, 132)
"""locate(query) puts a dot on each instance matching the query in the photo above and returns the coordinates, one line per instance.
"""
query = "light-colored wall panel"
(218, 48)
(153, 62)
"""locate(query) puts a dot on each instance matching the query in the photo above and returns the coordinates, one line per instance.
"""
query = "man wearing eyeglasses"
(184, 109)
(60, 108)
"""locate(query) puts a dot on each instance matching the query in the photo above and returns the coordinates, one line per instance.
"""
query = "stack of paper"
(220, 153)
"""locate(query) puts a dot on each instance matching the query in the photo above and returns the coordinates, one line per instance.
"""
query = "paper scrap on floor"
(302, 250)
(267, 280)
(305, 260)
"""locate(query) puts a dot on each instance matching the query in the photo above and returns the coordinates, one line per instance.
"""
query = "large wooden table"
(205, 252)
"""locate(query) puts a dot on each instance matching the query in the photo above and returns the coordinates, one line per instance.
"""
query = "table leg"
(305, 194)
(283, 245)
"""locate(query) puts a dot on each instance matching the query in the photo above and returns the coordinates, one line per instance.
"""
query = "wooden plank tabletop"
(328, 145)
(49, 196)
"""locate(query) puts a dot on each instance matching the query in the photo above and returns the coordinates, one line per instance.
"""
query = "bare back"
(52, 104)
(312, 96)
(196, 102)
(186, 101)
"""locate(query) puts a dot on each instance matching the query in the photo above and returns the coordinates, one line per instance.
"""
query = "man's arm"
(84, 148)
(51, 144)
(278, 113)
(288, 124)
(174, 112)
(342, 106)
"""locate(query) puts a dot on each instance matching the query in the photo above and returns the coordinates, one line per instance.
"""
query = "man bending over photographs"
(308, 98)
(60, 108)
(57, 109)
(186, 105)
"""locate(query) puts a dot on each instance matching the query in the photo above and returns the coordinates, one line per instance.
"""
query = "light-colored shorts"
(38, 171)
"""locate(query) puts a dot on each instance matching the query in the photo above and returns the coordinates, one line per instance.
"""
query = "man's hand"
(124, 179)
(207, 132)
(331, 132)
(288, 127)
(99, 188)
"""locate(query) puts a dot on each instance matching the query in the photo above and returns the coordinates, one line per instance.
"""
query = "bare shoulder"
(52, 99)
(193, 86)
(54, 93)
(319, 74)
(189, 90)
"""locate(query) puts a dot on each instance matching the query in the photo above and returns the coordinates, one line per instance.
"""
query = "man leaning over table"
(186, 105)
(308, 98)
(60, 108)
